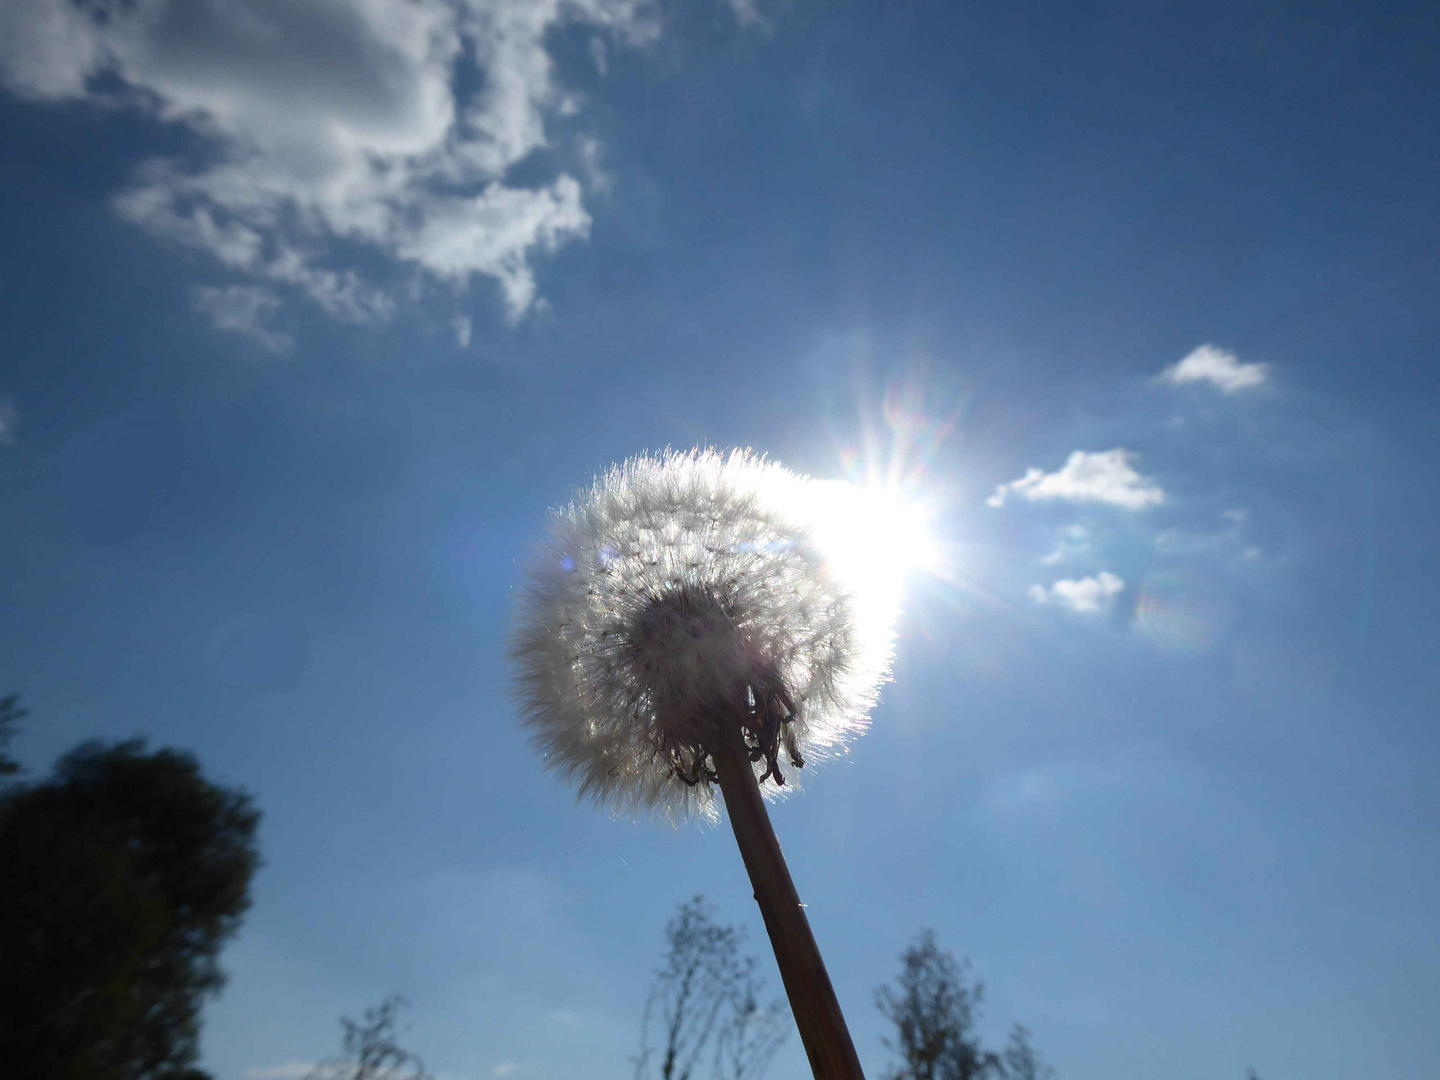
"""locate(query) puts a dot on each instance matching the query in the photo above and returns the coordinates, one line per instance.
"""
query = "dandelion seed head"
(680, 592)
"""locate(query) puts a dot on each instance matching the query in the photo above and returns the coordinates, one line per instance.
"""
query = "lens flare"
(882, 526)
(1173, 614)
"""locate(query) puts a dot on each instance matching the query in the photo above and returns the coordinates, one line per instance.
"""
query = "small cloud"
(592, 163)
(324, 1070)
(1087, 596)
(1105, 476)
(461, 325)
(291, 1070)
(1182, 542)
(1057, 786)
(747, 13)
(242, 309)
(1033, 789)
(505, 1068)
(9, 422)
(1217, 367)
(1074, 540)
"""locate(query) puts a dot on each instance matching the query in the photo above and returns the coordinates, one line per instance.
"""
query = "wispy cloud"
(1057, 786)
(749, 14)
(326, 1070)
(242, 309)
(1217, 367)
(9, 422)
(1106, 476)
(1074, 540)
(338, 135)
(290, 1070)
(1087, 596)
(1192, 542)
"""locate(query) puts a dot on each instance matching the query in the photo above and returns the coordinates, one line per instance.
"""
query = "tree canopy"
(125, 872)
(934, 1007)
(10, 716)
(705, 1013)
(934, 1010)
(372, 1051)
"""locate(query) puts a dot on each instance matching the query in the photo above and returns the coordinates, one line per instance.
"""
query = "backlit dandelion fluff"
(681, 593)
(695, 620)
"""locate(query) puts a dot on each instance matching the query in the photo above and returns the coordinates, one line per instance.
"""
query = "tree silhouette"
(751, 1033)
(934, 1010)
(371, 1051)
(125, 871)
(1020, 1060)
(705, 1006)
(10, 716)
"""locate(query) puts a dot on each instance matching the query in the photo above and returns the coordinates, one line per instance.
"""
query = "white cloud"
(325, 1070)
(1088, 595)
(1105, 476)
(1074, 540)
(1057, 786)
(242, 309)
(505, 1068)
(592, 154)
(748, 13)
(1185, 542)
(9, 422)
(291, 1070)
(336, 124)
(1217, 367)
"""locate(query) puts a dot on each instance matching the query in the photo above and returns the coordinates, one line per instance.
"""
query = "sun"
(874, 538)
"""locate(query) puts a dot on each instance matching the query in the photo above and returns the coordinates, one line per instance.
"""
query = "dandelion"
(685, 626)
(680, 594)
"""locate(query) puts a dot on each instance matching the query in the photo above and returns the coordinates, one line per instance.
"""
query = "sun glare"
(875, 538)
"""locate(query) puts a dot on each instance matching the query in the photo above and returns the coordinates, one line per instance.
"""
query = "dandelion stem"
(812, 998)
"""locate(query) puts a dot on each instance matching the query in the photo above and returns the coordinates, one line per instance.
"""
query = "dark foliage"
(751, 1032)
(371, 1051)
(704, 1009)
(934, 1009)
(1020, 1061)
(10, 716)
(123, 875)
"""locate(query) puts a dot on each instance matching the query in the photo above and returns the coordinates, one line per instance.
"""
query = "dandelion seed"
(659, 602)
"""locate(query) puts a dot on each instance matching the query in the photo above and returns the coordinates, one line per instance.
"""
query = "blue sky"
(309, 313)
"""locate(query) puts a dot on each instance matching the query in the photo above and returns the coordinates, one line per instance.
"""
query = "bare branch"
(704, 1006)
(371, 1051)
